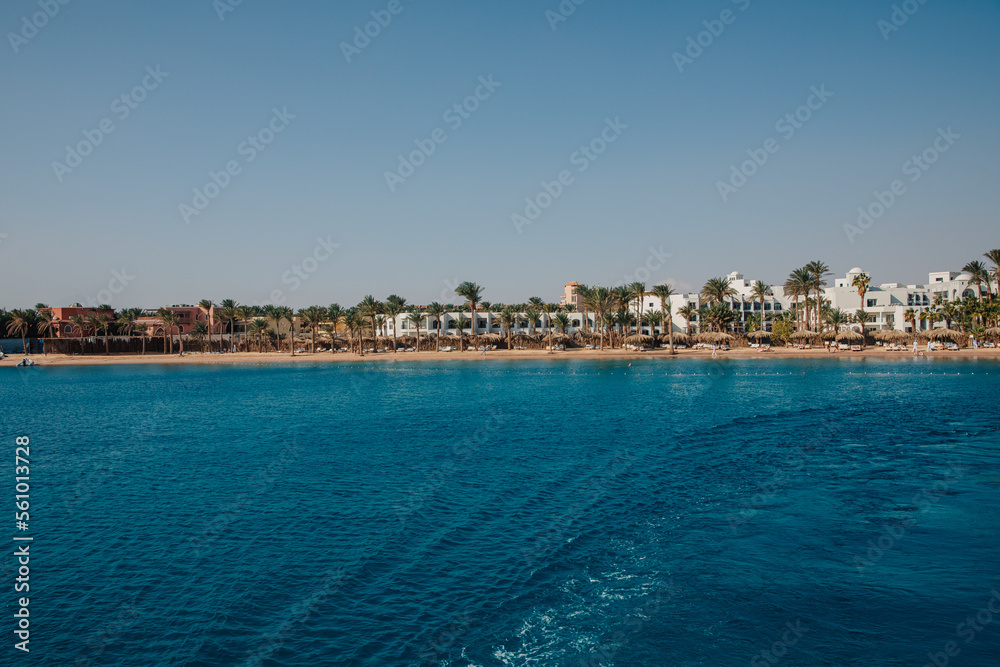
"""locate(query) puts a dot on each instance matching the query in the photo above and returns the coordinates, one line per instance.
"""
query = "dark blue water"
(671, 512)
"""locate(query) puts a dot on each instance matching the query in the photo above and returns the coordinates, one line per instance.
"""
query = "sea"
(507, 512)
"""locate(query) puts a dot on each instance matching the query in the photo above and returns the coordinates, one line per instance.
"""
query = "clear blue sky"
(324, 174)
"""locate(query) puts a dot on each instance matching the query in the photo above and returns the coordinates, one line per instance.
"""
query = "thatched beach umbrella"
(850, 336)
(945, 332)
(804, 335)
(992, 332)
(640, 339)
(714, 337)
(895, 336)
(759, 335)
(679, 338)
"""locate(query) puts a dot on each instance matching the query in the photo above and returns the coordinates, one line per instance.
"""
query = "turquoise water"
(671, 512)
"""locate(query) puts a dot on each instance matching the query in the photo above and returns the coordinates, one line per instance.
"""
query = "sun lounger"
(855, 348)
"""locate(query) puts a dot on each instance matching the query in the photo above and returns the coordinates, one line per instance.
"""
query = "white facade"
(887, 302)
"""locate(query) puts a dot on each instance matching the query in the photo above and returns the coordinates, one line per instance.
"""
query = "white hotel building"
(887, 302)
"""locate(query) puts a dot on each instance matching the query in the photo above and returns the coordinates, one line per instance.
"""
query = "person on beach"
(714, 353)
(915, 347)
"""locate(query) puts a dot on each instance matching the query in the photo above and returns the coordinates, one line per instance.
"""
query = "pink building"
(65, 327)
(186, 316)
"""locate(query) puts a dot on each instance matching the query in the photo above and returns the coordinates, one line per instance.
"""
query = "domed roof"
(964, 276)
(856, 269)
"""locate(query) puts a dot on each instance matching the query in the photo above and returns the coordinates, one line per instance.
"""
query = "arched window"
(68, 329)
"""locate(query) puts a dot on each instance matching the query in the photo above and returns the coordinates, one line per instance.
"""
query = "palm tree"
(126, 321)
(994, 256)
(258, 327)
(415, 316)
(355, 324)
(230, 313)
(199, 333)
(370, 308)
(45, 324)
(19, 325)
(562, 322)
(663, 292)
(911, 316)
(817, 271)
(79, 324)
(208, 306)
(583, 291)
(930, 316)
(335, 316)
(689, 313)
(274, 314)
(650, 319)
(716, 290)
(837, 318)
(286, 313)
(508, 318)
(980, 274)
(637, 290)
(141, 329)
(549, 309)
(100, 321)
(437, 311)
(461, 322)
(798, 284)
(394, 306)
(472, 293)
(760, 290)
(861, 282)
(311, 318)
(532, 314)
(169, 320)
(862, 317)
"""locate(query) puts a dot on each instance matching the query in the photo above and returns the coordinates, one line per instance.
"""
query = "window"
(576, 323)
(870, 303)
(69, 328)
(481, 323)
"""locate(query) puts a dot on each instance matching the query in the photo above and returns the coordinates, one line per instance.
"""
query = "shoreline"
(248, 358)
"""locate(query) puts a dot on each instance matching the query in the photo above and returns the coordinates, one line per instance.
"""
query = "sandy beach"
(328, 357)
